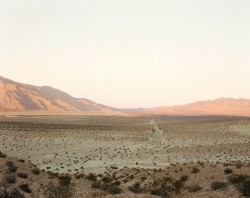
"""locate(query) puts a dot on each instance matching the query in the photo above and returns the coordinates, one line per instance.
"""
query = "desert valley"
(54, 145)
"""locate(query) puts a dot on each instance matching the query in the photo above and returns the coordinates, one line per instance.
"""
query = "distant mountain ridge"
(221, 106)
(16, 96)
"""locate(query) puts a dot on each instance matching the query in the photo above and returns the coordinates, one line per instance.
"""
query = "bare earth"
(138, 145)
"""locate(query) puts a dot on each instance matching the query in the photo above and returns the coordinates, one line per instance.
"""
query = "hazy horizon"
(129, 54)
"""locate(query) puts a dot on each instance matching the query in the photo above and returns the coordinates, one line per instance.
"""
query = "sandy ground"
(84, 144)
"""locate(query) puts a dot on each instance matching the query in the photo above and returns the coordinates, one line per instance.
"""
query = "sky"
(133, 53)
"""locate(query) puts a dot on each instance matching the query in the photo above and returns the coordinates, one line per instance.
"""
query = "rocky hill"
(16, 96)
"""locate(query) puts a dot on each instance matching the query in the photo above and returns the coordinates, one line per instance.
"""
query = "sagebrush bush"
(13, 193)
(2, 155)
(79, 176)
(238, 179)
(91, 176)
(36, 171)
(195, 170)
(22, 175)
(228, 171)
(184, 178)
(25, 188)
(135, 188)
(12, 168)
(238, 165)
(166, 186)
(96, 184)
(10, 178)
(218, 185)
(114, 189)
(245, 188)
(65, 180)
(10, 163)
(242, 182)
(21, 160)
(194, 188)
(106, 179)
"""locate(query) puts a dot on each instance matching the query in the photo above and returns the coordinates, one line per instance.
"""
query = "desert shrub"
(105, 186)
(62, 190)
(21, 160)
(3, 193)
(184, 178)
(242, 182)
(2, 155)
(143, 178)
(114, 167)
(218, 185)
(91, 176)
(238, 165)
(178, 185)
(65, 180)
(96, 184)
(166, 186)
(53, 175)
(194, 188)
(25, 188)
(106, 179)
(162, 191)
(10, 178)
(58, 191)
(195, 170)
(135, 188)
(22, 175)
(131, 177)
(10, 163)
(36, 171)
(12, 168)
(228, 171)
(79, 176)
(238, 179)
(15, 193)
(245, 188)
(114, 189)
(117, 183)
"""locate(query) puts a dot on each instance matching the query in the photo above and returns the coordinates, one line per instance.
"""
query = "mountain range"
(16, 96)
(19, 97)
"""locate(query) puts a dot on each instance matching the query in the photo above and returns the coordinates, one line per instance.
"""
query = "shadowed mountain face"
(22, 97)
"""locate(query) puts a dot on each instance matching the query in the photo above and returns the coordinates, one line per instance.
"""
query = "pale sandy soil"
(84, 144)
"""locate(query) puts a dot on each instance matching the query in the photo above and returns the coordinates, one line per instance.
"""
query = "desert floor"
(101, 144)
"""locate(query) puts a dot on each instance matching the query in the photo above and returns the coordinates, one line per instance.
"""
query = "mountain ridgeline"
(16, 96)
(19, 97)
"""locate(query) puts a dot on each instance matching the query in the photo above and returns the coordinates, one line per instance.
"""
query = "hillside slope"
(221, 106)
(16, 96)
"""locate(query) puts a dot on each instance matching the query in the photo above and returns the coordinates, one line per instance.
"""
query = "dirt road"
(158, 132)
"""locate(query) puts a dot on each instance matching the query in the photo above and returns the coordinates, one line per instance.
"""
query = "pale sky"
(133, 53)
